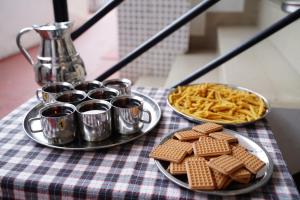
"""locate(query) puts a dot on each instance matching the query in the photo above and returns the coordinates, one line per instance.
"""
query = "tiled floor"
(98, 48)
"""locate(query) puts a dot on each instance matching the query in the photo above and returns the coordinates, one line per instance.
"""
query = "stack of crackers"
(210, 157)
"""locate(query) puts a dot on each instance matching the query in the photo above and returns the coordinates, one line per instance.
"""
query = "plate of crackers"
(210, 159)
(218, 103)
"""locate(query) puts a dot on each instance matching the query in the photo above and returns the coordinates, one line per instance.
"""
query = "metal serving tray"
(261, 179)
(79, 144)
(197, 120)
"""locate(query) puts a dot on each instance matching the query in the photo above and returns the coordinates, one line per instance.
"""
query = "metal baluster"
(60, 8)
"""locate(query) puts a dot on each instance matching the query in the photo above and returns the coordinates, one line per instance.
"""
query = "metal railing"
(61, 15)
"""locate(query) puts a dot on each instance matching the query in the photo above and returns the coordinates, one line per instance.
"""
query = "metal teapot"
(58, 60)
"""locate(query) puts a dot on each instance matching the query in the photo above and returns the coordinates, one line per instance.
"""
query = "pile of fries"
(217, 103)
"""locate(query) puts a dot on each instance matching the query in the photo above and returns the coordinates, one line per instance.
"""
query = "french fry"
(217, 103)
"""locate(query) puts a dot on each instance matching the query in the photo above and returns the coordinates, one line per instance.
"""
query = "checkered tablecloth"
(31, 171)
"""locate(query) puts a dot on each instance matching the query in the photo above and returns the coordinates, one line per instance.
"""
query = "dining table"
(29, 170)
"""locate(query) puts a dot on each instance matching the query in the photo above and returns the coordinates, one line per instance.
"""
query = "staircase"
(262, 68)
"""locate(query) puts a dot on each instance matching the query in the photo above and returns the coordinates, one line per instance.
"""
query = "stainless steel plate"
(261, 179)
(79, 144)
(191, 118)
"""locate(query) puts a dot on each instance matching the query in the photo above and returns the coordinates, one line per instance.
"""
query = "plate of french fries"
(218, 103)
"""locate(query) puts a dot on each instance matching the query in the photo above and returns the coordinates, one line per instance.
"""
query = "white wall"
(16, 14)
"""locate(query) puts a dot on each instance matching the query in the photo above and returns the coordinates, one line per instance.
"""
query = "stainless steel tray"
(79, 144)
(191, 118)
(261, 179)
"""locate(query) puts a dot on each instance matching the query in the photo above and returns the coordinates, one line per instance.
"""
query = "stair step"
(262, 68)
(185, 64)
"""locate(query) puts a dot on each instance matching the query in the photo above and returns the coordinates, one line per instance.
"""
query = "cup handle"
(39, 94)
(149, 117)
(30, 121)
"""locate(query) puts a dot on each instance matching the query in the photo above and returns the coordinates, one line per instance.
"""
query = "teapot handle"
(22, 49)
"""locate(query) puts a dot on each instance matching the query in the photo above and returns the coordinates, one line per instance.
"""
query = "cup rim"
(92, 101)
(87, 82)
(57, 83)
(71, 92)
(103, 89)
(126, 97)
(56, 104)
(118, 80)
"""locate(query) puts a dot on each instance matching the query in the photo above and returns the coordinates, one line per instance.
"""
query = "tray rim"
(133, 92)
(193, 119)
(251, 188)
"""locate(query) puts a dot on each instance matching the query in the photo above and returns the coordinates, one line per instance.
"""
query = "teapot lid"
(53, 26)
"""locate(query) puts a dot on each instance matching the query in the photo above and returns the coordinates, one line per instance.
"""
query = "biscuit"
(219, 178)
(251, 162)
(240, 174)
(225, 164)
(208, 128)
(168, 153)
(210, 147)
(223, 136)
(187, 135)
(186, 146)
(236, 145)
(199, 175)
(227, 183)
(179, 168)
(243, 180)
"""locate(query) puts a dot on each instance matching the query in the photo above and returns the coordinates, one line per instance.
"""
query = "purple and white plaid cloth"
(32, 171)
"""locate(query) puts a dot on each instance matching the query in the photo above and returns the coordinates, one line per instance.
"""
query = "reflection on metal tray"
(113, 140)
(191, 118)
(261, 179)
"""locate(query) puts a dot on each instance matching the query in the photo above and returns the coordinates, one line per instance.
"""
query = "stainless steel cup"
(106, 94)
(94, 118)
(122, 85)
(58, 123)
(50, 91)
(73, 97)
(128, 114)
(87, 86)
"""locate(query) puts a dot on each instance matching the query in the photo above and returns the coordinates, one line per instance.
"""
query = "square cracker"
(223, 136)
(207, 146)
(186, 146)
(228, 182)
(225, 164)
(251, 162)
(219, 178)
(168, 153)
(208, 128)
(199, 175)
(240, 174)
(243, 180)
(187, 135)
(179, 168)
